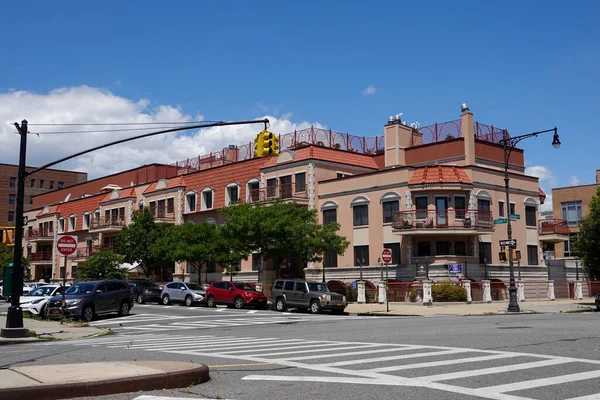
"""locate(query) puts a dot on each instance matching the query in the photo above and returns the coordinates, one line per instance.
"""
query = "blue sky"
(521, 65)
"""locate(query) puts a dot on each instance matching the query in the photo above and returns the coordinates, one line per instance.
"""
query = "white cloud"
(547, 206)
(369, 90)
(543, 173)
(85, 104)
(574, 181)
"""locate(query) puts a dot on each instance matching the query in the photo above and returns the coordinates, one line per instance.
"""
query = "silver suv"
(314, 296)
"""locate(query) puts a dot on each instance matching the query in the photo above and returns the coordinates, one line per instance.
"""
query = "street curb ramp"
(166, 380)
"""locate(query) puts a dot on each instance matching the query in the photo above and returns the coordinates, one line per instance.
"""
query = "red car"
(234, 294)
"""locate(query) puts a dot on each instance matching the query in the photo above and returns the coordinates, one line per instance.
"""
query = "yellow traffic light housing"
(258, 145)
(266, 144)
(503, 255)
(516, 254)
(7, 235)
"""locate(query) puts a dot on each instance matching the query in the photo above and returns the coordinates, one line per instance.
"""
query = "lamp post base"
(513, 308)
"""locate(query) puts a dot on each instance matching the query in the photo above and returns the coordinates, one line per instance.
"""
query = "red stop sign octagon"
(66, 245)
(386, 256)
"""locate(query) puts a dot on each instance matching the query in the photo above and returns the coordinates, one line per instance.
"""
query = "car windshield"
(194, 286)
(243, 286)
(81, 288)
(317, 287)
(41, 291)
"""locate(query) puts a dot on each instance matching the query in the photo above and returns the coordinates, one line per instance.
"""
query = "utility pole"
(14, 320)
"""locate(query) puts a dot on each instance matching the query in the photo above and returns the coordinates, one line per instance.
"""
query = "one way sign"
(508, 243)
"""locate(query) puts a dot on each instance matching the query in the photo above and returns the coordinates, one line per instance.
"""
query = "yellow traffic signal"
(258, 145)
(516, 254)
(503, 255)
(7, 236)
(266, 144)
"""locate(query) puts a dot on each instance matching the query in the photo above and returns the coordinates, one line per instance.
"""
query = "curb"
(381, 314)
(8, 342)
(167, 380)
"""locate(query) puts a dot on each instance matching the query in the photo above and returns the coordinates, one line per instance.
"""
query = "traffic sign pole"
(66, 245)
(386, 256)
(64, 289)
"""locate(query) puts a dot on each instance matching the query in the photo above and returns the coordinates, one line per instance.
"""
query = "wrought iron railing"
(446, 219)
(282, 192)
(40, 256)
(163, 212)
(553, 227)
(39, 234)
(111, 222)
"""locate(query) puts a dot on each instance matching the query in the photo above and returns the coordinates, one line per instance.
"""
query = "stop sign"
(386, 256)
(66, 245)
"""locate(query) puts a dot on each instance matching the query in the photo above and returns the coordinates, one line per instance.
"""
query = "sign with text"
(508, 243)
(455, 269)
(386, 255)
(66, 245)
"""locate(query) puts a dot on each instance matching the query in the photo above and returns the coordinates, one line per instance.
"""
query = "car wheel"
(238, 303)
(124, 309)
(166, 300)
(88, 314)
(44, 312)
(210, 302)
(315, 307)
(280, 304)
(189, 301)
(140, 299)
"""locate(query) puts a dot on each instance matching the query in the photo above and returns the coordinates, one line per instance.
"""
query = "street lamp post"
(381, 266)
(509, 143)
(360, 263)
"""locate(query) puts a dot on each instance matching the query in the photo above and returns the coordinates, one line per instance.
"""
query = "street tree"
(587, 245)
(103, 264)
(136, 242)
(7, 257)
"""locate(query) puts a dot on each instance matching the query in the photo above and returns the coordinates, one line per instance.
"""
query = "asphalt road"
(258, 354)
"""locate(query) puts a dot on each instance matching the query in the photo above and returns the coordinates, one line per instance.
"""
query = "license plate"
(339, 304)
(55, 311)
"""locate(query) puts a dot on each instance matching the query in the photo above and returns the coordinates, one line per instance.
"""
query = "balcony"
(297, 193)
(40, 257)
(107, 225)
(85, 253)
(163, 214)
(553, 231)
(39, 235)
(457, 222)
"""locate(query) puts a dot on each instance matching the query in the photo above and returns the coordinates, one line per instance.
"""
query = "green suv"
(314, 296)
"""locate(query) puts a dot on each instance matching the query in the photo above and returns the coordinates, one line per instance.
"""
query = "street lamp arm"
(51, 164)
(511, 142)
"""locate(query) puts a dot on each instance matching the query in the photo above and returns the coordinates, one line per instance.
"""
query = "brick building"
(35, 185)
(430, 194)
(570, 204)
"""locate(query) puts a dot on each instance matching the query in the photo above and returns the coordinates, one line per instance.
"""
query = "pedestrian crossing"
(489, 374)
(168, 323)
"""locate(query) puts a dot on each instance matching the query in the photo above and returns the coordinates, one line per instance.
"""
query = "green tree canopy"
(103, 264)
(7, 256)
(587, 245)
(136, 242)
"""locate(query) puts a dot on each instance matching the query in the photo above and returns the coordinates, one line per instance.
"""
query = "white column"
(520, 291)
(578, 290)
(409, 203)
(487, 292)
(382, 292)
(467, 286)
(427, 298)
(361, 292)
(179, 209)
(551, 290)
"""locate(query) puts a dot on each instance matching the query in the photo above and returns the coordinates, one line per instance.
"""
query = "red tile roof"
(125, 194)
(53, 210)
(440, 174)
(178, 181)
(542, 194)
(329, 154)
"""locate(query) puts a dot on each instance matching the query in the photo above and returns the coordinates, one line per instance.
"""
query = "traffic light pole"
(14, 319)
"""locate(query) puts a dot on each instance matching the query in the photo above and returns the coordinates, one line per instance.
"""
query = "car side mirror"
(231, 288)
(99, 291)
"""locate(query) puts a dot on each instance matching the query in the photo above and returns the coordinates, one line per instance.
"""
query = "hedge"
(447, 292)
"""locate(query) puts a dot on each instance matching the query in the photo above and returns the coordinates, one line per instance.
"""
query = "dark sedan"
(143, 290)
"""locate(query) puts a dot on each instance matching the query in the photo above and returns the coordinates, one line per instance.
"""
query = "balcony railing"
(40, 256)
(554, 227)
(164, 213)
(112, 222)
(282, 192)
(447, 219)
(39, 234)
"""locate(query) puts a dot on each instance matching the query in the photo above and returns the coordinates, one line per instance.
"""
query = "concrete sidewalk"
(52, 330)
(418, 309)
(67, 381)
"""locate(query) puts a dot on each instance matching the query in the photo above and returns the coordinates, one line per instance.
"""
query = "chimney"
(397, 138)
(598, 176)
(468, 133)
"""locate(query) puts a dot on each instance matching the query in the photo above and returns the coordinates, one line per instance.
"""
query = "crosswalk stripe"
(494, 370)
(535, 383)
(387, 349)
(402, 357)
(587, 397)
(202, 344)
(277, 346)
(441, 363)
(333, 347)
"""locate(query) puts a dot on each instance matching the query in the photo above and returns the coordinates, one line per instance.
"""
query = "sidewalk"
(418, 309)
(51, 330)
(67, 381)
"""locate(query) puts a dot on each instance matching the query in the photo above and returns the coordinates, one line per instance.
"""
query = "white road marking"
(386, 350)
(401, 357)
(168, 398)
(555, 380)
(252, 312)
(440, 363)
(588, 397)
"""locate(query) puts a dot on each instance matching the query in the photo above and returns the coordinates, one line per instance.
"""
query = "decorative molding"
(364, 190)
(438, 162)
(311, 187)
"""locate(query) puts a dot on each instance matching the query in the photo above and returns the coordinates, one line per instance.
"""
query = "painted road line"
(170, 398)
(196, 343)
(242, 365)
(334, 347)
(231, 349)
(214, 341)
(588, 397)
(494, 370)
(536, 383)
(442, 363)
(402, 357)
(300, 345)
(387, 349)
(252, 311)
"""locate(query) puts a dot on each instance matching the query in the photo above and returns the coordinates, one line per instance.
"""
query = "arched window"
(360, 211)
(531, 207)
(208, 199)
(191, 199)
(390, 204)
(72, 223)
(87, 220)
(232, 193)
(211, 220)
(253, 189)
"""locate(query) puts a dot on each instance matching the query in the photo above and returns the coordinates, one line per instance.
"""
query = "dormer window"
(232, 193)
(61, 225)
(86, 220)
(190, 202)
(207, 199)
(72, 221)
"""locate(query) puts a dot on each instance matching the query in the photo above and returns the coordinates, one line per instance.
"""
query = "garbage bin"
(7, 284)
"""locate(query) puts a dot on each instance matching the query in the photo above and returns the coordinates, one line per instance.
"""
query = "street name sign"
(386, 256)
(515, 217)
(500, 221)
(66, 245)
(508, 243)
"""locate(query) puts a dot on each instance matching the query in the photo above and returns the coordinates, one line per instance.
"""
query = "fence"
(449, 130)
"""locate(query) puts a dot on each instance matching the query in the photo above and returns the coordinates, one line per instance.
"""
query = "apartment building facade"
(432, 195)
(35, 185)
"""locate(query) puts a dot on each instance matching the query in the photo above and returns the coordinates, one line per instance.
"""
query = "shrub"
(413, 295)
(448, 292)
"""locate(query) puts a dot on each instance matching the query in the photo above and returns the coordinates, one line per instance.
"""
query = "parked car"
(26, 289)
(314, 296)
(183, 292)
(598, 301)
(85, 300)
(35, 301)
(144, 290)
(236, 294)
